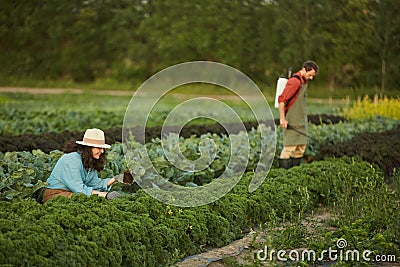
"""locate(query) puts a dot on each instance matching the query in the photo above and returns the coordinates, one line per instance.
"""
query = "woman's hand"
(112, 195)
(106, 195)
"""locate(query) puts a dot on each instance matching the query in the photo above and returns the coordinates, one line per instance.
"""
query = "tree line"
(356, 43)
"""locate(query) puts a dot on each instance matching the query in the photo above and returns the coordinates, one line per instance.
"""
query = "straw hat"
(94, 137)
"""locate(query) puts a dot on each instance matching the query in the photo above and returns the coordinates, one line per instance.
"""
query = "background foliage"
(356, 43)
(365, 108)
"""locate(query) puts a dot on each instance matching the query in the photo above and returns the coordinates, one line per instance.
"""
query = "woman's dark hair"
(88, 161)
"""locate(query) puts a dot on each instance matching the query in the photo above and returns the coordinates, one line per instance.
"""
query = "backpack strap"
(298, 89)
(296, 76)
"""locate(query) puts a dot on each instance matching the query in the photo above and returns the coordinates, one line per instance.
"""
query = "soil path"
(61, 91)
(213, 256)
(243, 250)
(98, 92)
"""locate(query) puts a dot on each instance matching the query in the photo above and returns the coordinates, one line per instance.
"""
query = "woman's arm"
(98, 183)
(100, 194)
(111, 181)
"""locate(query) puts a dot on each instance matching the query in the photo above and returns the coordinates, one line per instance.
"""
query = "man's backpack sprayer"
(280, 86)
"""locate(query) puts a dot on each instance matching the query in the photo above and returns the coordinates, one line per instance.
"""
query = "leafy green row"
(22, 172)
(16, 119)
(137, 230)
(19, 121)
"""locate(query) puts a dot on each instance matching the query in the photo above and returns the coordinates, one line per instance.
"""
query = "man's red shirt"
(291, 91)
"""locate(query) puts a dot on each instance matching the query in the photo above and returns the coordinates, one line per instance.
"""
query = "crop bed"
(23, 172)
(137, 230)
(377, 148)
(351, 160)
(55, 140)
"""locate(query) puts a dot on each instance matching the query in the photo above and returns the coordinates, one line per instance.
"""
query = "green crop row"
(21, 115)
(26, 121)
(16, 121)
(137, 230)
(24, 172)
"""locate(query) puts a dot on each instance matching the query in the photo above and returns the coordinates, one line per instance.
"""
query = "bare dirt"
(243, 251)
(57, 91)
(214, 257)
(29, 90)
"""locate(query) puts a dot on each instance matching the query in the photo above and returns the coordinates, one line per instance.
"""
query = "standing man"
(292, 112)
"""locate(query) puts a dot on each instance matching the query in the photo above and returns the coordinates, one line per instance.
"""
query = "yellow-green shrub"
(367, 108)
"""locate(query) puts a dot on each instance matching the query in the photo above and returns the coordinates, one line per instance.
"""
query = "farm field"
(185, 93)
(57, 110)
(350, 172)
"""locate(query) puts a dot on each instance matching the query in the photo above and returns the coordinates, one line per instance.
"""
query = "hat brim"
(92, 145)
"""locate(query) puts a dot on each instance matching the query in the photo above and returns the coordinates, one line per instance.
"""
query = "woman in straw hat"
(76, 171)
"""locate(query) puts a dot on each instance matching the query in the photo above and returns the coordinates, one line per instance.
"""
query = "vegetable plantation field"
(42, 113)
(350, 171)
